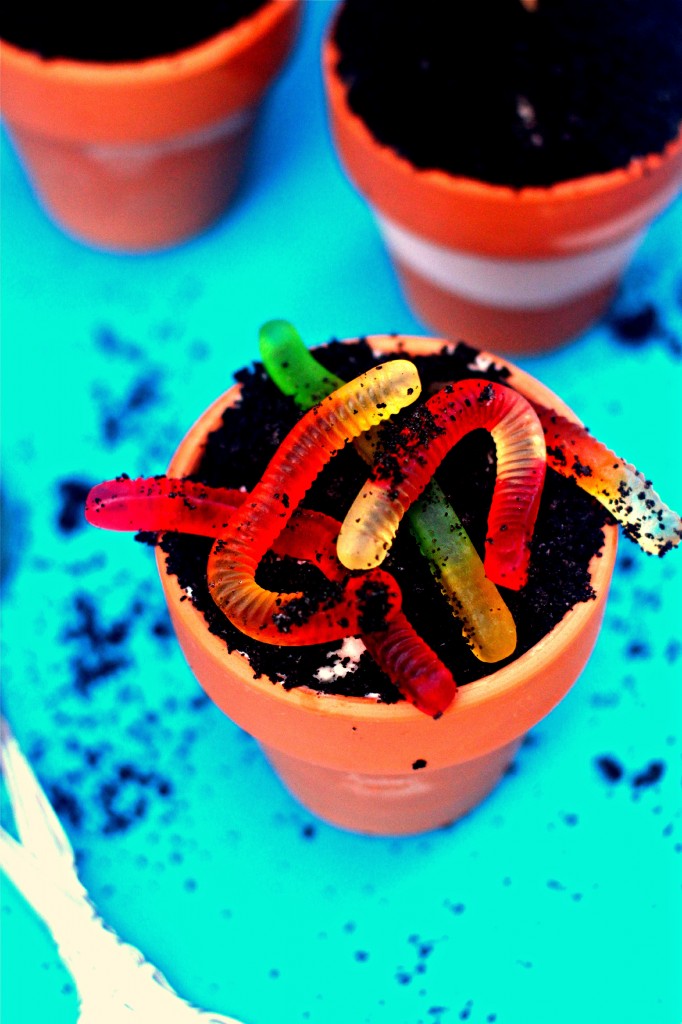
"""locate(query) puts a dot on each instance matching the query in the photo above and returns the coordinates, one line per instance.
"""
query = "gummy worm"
(160, 503)
(398, 650)
(430, 432)
(616, 484)
(409, 662)
(488, 625)
(292, 367)
(298, 374)
(178, 505)
(282, 618)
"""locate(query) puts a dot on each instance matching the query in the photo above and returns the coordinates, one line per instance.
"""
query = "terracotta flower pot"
(140, 156)
(519, 271)
(388, 768)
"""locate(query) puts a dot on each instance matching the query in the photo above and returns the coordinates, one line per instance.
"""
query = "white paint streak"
(508, 283)
(133, 155)
(395, 787)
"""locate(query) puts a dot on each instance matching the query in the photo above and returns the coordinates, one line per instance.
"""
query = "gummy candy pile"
(360, 598)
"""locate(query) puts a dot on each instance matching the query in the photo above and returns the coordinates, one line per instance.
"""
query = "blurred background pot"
(139, 156)
(516, 270)
(388, 768)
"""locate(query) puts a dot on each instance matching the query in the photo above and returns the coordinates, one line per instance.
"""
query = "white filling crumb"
(345, 660)
(378, 353)
(481, 363)
(526, 112)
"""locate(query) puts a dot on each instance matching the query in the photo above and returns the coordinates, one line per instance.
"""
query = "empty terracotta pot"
(515, 270)
(388, 768)
(139, 156)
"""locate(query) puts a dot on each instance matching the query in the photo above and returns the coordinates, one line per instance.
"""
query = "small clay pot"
(387, 768)
(516, 270)
(139, 156)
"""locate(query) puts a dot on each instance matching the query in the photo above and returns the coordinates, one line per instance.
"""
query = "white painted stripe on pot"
(508, 283)
(131, 154)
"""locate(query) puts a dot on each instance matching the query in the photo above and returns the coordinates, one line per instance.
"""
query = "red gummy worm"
(401, 474)
(311, 537)
(162, 503)
(399, 651)
(416, 670)
(281, 618)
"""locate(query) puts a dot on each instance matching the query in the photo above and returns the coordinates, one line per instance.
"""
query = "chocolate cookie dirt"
(514, 93)
(121, 32)
(568, 532)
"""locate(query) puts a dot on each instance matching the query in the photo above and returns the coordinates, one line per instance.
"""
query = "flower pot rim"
(566, 191)
(195, 59)
(471, 698)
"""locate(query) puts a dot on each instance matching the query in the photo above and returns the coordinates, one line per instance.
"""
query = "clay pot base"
(517, 331)
(135, 157)
(388, 769)
(386, 805)
(520, 271)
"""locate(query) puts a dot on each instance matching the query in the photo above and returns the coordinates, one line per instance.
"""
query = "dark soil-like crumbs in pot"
(510, 96)
(568, 533)
(125, 31)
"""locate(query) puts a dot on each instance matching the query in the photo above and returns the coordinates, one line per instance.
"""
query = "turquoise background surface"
(559, 898)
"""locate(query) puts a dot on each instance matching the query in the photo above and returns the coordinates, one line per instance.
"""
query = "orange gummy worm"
(622, 489)
(285, 618)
